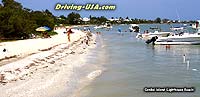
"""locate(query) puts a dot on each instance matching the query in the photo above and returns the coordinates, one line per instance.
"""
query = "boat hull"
(177, 43)
(178, 40)
(158, 34)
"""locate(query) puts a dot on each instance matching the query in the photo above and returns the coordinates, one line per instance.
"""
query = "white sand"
(45, 73)
(24, 47)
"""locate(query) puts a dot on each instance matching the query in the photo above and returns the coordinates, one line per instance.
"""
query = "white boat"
(177, 39)
(106, 25)
(185, 39)
(134, 28)
(149, 35)
(99, 27)
(177, 28)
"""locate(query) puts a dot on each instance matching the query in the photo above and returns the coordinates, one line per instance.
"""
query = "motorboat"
(154, 28)
(99, 27)
(177, 28)
(149, 35)
(177, 39)
(106, 25)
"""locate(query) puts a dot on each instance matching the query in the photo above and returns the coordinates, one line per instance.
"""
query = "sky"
(143, 9)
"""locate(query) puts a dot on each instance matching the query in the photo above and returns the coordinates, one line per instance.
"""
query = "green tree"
(93, 20)
(11, 4)
(90, 17)
(121, 19)
(17, 22)
(42, 19)
(102, 19)
(127, 17)
(157, 20)
(73, 18)
(11, 16)
(63, 17)
(61, 20)
(165, 20)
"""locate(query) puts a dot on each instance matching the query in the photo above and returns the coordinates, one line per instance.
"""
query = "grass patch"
(52, 33)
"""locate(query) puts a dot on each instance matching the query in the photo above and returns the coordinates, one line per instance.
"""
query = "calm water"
(130, 65)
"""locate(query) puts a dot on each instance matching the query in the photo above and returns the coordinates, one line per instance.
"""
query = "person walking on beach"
(68, 34)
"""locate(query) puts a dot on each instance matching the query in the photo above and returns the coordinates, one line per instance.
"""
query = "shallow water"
(130, 65)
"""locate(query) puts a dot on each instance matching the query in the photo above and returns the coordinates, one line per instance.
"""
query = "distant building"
(85, 19)
(113, 20)
(127, 20)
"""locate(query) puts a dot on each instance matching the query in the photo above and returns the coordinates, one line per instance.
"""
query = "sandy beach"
(40, 68)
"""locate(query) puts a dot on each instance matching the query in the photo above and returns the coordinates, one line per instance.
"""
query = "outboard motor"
(153, 39)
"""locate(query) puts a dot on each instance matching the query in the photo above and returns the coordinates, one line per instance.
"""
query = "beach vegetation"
(17, 22)
(98, 20)
(52, 33)
(158, 20)
(74, 18)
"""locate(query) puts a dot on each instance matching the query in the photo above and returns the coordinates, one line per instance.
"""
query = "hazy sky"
(145, 9)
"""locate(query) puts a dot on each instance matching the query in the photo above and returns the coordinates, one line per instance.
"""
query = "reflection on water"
(132, 65)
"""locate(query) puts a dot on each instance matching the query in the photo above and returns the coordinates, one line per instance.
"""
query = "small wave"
(94, 74)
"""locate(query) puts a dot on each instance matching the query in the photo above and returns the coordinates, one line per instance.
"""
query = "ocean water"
(130, 65)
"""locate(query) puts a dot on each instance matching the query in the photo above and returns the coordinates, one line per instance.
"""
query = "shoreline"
(46, 72)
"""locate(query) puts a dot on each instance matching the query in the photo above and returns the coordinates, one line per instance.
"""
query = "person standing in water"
(120, 31)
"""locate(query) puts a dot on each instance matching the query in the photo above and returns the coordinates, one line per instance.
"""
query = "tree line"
(17, 22)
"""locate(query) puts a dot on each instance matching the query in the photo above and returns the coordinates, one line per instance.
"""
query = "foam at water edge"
(94, 74)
